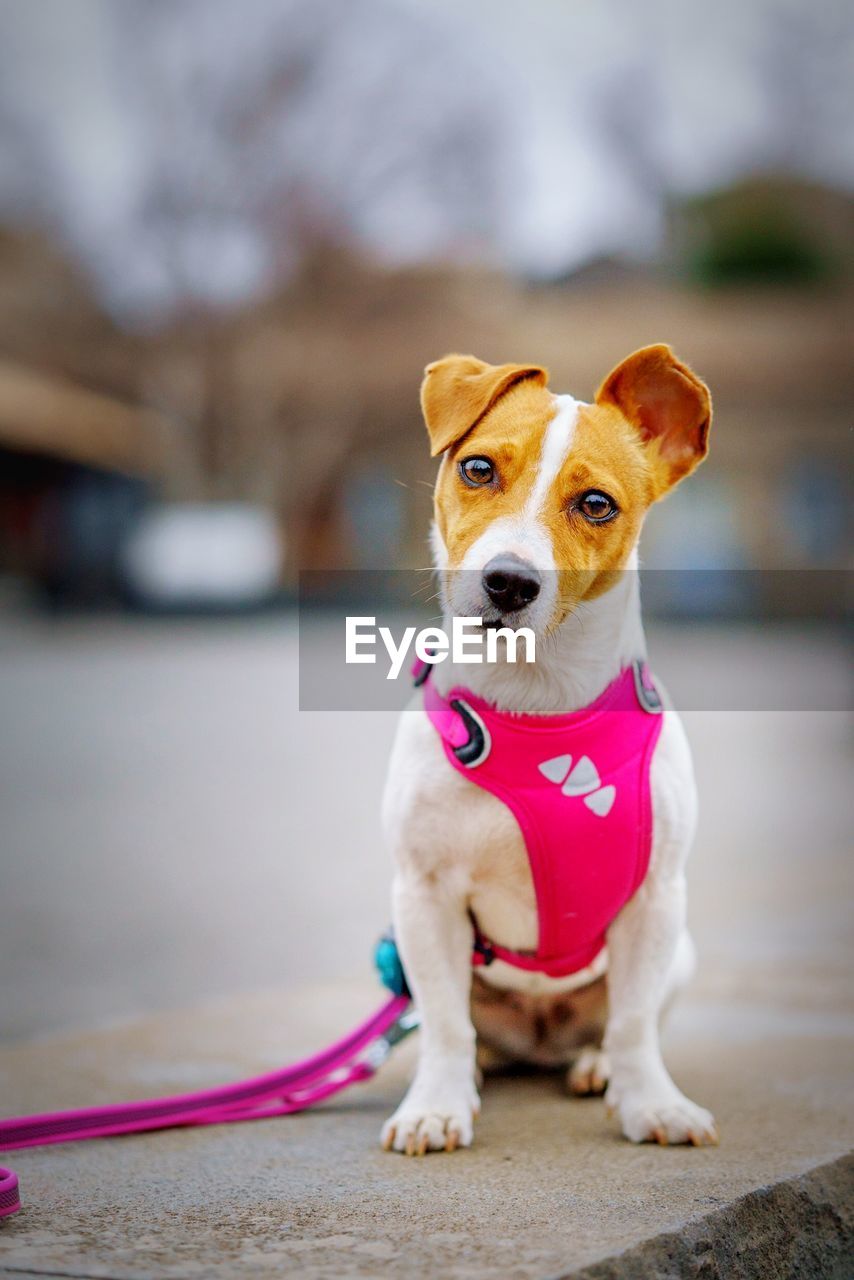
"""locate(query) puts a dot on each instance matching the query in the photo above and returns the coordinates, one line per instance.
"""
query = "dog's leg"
(649, 956)
(590, 1072)
(435, 936)
(643, 946)
(682, 968)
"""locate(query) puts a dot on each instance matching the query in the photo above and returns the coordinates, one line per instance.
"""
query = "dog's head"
(540, 499)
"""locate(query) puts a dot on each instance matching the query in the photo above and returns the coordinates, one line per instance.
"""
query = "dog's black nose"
(511, 583)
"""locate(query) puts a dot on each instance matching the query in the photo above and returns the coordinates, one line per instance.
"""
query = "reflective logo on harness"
(582, 780)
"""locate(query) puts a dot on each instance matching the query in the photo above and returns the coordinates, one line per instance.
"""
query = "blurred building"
(232, 238)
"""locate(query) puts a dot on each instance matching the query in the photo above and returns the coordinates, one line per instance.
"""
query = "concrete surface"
(139, 763)
(549, 1187)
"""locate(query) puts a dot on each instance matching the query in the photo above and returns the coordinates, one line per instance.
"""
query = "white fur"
(590, 1071)
(557, 443)
(458, 849)
(575, 662)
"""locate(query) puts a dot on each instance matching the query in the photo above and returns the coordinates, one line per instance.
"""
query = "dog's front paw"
(666, 1119)
(663, 1118)
(588, 1075)
(437, 1119)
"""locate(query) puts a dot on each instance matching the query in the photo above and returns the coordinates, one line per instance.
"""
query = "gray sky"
(181, 149)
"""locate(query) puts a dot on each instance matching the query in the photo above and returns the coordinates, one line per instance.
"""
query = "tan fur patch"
(511, 434)
(547, 1030)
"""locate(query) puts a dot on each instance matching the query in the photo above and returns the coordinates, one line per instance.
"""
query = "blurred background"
(231, 236)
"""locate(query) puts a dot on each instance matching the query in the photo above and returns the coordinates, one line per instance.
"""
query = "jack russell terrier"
(540, 815)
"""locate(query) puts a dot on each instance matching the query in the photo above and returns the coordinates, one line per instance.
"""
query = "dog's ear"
(458, 390)
(668, 405)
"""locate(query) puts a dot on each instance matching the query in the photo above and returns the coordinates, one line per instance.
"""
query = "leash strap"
(293, 1088)
(10, 1199)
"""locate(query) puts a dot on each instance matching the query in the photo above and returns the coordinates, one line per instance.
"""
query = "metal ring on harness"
(647, 694)
(479, 744)
(421, 674)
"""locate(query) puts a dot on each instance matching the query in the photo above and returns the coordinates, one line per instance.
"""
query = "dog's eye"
(477, 472)
(596, 506)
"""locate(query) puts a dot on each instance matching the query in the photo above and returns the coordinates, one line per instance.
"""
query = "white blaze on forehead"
(557, 443)
(525, 534)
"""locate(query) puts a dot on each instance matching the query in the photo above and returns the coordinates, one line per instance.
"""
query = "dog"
(539, 504)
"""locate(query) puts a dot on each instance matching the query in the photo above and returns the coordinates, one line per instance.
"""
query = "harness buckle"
(421, 669)
(420, 673)
(479, 744)
(647, 694)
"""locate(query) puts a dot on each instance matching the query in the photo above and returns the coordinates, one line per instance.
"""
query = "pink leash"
(293, 1088)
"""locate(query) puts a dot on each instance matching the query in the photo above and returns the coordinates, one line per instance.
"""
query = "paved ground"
(140, 763)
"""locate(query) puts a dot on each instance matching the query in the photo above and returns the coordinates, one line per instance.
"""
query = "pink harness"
(578, 786)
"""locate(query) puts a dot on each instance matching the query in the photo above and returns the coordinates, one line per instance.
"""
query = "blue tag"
(389, 967)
